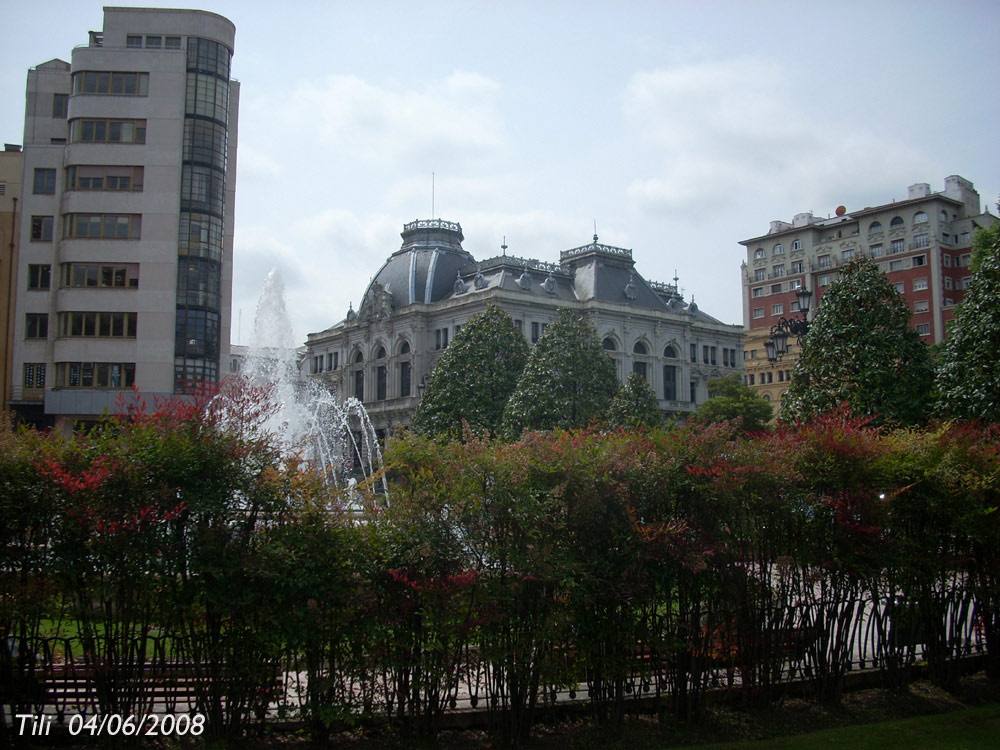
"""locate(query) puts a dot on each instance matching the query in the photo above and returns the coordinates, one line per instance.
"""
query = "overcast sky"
(681, 128)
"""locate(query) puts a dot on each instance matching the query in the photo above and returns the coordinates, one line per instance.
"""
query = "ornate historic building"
(384, 352)
(923, 244)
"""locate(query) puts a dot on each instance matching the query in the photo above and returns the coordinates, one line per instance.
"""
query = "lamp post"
(777, 345)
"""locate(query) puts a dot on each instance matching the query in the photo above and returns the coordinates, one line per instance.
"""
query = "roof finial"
(595, 231)
(503, 247)
(676, 278)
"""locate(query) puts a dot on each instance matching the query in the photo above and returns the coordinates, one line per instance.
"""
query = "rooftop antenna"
(676, 278)
(503, 247)
(595, 231)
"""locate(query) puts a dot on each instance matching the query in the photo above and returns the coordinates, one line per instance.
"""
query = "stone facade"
(384, 352)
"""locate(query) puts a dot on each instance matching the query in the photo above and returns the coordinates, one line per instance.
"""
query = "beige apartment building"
(125, 272)
(923, 244)
(11, 163)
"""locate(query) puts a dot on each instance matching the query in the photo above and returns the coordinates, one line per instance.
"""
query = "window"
(704, 354)
(921, 306)
(823, 261)
(758, 312)
(924, 329)
(760, 274)
(759, 254)
(536, 334)
(670, 382)
(846, 255)
(897, 221)
(896, 246)
(778, 309)
(920, 217)
(39, 277)
(608, 344)
(797, 266)
(794, 284)
(948, 283)
(964, 260)
(172, 42)
(750, 379)
(758, 291)
(381, 381)
(921, 240)
(918, 260)
(824, 280)
(102, 226)
(154, 42)
(895, 265)
(875, 227)
(694, 391)
(45, 181)
(779, 249)
(405, 373)
(919, 284)
(95, 374)
(946, 259)
(712, 353)
(41, 228)
(694, 350)
(965, 283)
(34, 375)
(441, 338)
(775, 288)
(898, 286)
(104, 82)
(359, 385)
(36, 326)
(778, 271)
(793, 306)
(103, 324)
(107, 131)
(964, 237)
(104, 178)
(119, 275)
(669, 352)
(639, 368)
(875, 251)
(797, 245)
(639, 348)
(133, 41)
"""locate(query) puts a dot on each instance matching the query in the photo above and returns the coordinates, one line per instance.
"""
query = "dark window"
(535, 332)
(670, 382)
(639, 368)
(34, 375)
(694, 352)
(694, 392)
(380, 383)
(36, 326)
(41, 228)
(359, 385)
(639, 348)
(39, 277)
(45, 182)
(669, 352)
(404, 379)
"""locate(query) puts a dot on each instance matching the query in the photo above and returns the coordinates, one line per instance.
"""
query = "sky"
(677, 128)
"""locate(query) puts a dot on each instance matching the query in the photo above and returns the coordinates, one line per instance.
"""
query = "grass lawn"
(971, 729)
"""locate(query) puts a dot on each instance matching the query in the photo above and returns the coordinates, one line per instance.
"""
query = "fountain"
(333, 436)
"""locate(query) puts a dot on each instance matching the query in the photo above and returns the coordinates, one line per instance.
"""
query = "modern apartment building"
(383, 353)
(125, 271)
(923, 244)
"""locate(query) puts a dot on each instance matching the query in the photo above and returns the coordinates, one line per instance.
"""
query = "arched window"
(759, 254)
(405, 371)
(797, 245)
(875, 227)
(358, 358)
(943, 215)
(639, 348)
(405, 348)
(920, 217)
(779, 249)
(670, 353)
(670, 382)
(609, 344)
(897, 221)
(380, 354)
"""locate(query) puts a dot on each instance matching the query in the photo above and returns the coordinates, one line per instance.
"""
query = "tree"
(861, 350)
(730, 399)
(635, 405)
(474, 377)
(568, 382)
(968, 378)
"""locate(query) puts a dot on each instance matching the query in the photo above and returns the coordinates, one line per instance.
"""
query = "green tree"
(968, 378)
(861, 350)
(568, 382)
(635, 405)
(474, 377)
(730, 399)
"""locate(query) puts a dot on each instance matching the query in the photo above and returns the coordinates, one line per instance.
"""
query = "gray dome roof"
(424, 269)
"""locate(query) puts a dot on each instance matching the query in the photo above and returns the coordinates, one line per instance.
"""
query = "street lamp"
(777, 345)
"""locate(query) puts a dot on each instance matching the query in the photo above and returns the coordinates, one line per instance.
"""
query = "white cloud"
(454, 120)
(722, 133)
